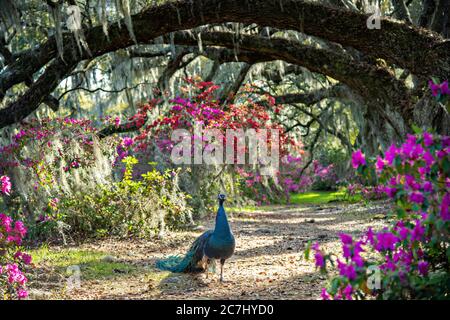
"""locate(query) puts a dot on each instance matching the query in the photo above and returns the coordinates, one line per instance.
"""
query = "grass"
(92, 263)
(311, 197)
(320, 197)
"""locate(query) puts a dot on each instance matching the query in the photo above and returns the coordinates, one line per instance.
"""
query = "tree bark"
(418, 50)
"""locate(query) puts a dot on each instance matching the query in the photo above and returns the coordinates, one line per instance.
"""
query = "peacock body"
(211, 245)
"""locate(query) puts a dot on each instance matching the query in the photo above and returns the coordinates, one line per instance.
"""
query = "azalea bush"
(197, 105)
(12, 259)
(366, 192)
(410, 258)
(134, 206)
(50, 158)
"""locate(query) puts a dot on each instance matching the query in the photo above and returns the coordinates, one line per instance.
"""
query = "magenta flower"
(391, 153)
(346, 270)
(370, 236)
(5, 185)
(318, 256)
(347, 252)
(358, 158)
(422, 266)
(127, 142)
(439, 89)
(386, 241)
(428, 139)
(22, 294)
(324, 295)
(417, 197)
(404, 233)
(348, 292)
(417, 232)
(20, 228)
(390, 191)
(388, 265)
(346, 238)
(379, 164)
(428, 158)
(358, 260)
(117, 122)
(6, 222)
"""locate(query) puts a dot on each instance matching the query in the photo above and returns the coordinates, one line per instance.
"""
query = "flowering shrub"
(198, 105)
(52, 159)
(140, 206)
(412, 254)
(12, 259)
(367, 193)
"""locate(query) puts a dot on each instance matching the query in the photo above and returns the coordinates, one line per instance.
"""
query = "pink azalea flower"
(348, 292)
(379, 164)
(318, 256)
(417, 197)
(22, 294)
(428, 139)
(324, 295)
(345, 238)
(358, 158)
(5, 185)
(386, 241)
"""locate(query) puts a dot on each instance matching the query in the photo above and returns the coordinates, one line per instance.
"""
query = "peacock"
(217, 244)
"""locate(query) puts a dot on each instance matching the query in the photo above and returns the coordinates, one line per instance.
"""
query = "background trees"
(126, 47)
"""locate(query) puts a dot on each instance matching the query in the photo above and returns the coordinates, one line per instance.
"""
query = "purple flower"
(358, 159)
(324, 295)
(346, 239)
(428, 139)
(422, 266)
(358, 260)
(390, 191)
(417, 232)
(347, 252)
(404, 233)
(318, 256)
(5, 184)
(391, 153)
(320, 261)
(348, 292)
(370, 236)
(379, 164)
(127, 141)
(417, 197)
(428, 158)
(439, 89)
(388, 265)
(386, 241)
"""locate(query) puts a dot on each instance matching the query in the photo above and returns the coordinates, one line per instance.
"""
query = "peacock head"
(221, 198)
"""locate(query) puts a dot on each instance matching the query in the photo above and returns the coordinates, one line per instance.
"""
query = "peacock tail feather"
(191, 262)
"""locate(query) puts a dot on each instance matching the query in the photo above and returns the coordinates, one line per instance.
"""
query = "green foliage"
(321, 197)
(93, 264)
(140, 206)
(410, 256)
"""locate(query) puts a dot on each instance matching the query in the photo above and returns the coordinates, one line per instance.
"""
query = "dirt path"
(268, 262)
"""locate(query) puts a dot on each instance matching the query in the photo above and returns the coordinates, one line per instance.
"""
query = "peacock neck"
(222, 227)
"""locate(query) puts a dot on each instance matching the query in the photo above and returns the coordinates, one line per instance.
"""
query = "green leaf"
(416, 129)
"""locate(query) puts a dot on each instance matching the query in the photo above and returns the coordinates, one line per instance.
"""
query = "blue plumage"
(213, 244)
